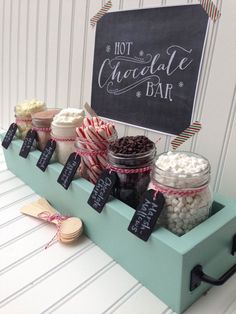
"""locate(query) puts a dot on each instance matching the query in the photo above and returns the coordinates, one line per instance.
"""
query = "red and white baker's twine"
(176, 192)
(57, 139)
(47, 130)
(211, 9)
(91, 153)
(128, 171)
(100, 13)
(19, 120)
(49, 218)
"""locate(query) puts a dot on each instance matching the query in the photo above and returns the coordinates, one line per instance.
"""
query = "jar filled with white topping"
(183, 178)
(23, 112)
(63, 131)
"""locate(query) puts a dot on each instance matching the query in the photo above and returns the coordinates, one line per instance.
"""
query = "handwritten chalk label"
(146, 215)
(31, 136)
(147, 66)
(102, 190)
(9, 135)
(46, 155)
(69, 170)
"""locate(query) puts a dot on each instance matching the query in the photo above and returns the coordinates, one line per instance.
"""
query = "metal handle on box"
(197, 276)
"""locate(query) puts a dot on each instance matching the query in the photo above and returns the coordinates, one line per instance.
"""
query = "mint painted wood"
(162, 264)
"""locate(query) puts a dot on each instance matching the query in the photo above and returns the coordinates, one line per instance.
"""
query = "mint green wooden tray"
(163, 264)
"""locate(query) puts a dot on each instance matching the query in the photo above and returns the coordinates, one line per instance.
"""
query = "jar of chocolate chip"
(131, 157)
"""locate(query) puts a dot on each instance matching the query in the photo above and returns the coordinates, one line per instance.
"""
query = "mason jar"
(64, 135)
(23, 117)
(24, 124)
(188, 197)
(133, 174)
(41, 123)
(93, 156)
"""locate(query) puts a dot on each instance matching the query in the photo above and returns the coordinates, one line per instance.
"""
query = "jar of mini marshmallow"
(63, 131)
(183, 178)
(132, 158)
(23, 117)
(41, 123)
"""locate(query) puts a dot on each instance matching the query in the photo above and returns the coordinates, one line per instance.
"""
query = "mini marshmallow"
(185, 171)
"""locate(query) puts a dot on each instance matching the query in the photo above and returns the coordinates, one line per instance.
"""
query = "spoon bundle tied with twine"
(69, 229)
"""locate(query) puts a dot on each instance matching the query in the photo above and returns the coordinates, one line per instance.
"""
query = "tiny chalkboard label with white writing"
(102, 190)
(46, 155)
(69, 170)
(146, 214)
(31, 136)
(9, 135)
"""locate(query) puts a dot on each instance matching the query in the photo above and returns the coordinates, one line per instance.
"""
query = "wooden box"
(164, 263)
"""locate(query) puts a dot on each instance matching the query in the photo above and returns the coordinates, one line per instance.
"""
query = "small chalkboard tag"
(28, 142)
(69, 170)
(46, 155)
(102, 190)
(146, 215)
(9, 135)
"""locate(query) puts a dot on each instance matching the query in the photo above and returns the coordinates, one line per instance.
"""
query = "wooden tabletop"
(78, 278)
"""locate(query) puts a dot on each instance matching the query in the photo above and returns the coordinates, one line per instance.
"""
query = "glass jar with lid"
(93, 156)
(183, 178)
(132, 159)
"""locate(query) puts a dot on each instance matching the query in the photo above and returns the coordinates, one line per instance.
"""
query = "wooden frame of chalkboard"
(163, 100)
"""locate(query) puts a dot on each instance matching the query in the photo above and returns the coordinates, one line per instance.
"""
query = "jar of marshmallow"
(183, 178)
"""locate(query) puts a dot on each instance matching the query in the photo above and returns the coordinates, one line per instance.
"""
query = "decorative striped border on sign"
(100, 13)
(186, 134)
(211, 9)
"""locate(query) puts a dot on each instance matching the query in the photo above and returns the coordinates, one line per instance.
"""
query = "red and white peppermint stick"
(102, 161)
(211, 9)
(100, 13)
(95, 121)
(92, 143)
(83, 145)
(92, 177)
(96, 170)
(186, 134)
(87, 122)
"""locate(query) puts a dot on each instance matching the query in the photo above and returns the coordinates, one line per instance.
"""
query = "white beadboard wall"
(46, 51)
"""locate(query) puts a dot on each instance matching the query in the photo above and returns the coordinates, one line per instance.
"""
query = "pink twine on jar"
(92, 153)
(57, 139)
(128, 171)
(177, 192)
(49, 218)
(23, 120)
(41, 129)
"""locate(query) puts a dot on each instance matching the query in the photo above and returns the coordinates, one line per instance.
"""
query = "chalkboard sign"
(147, 64)
(46, 155)
(69, 170)
(31, 136)
(146, 215)
(102, 190)
(9, 135)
